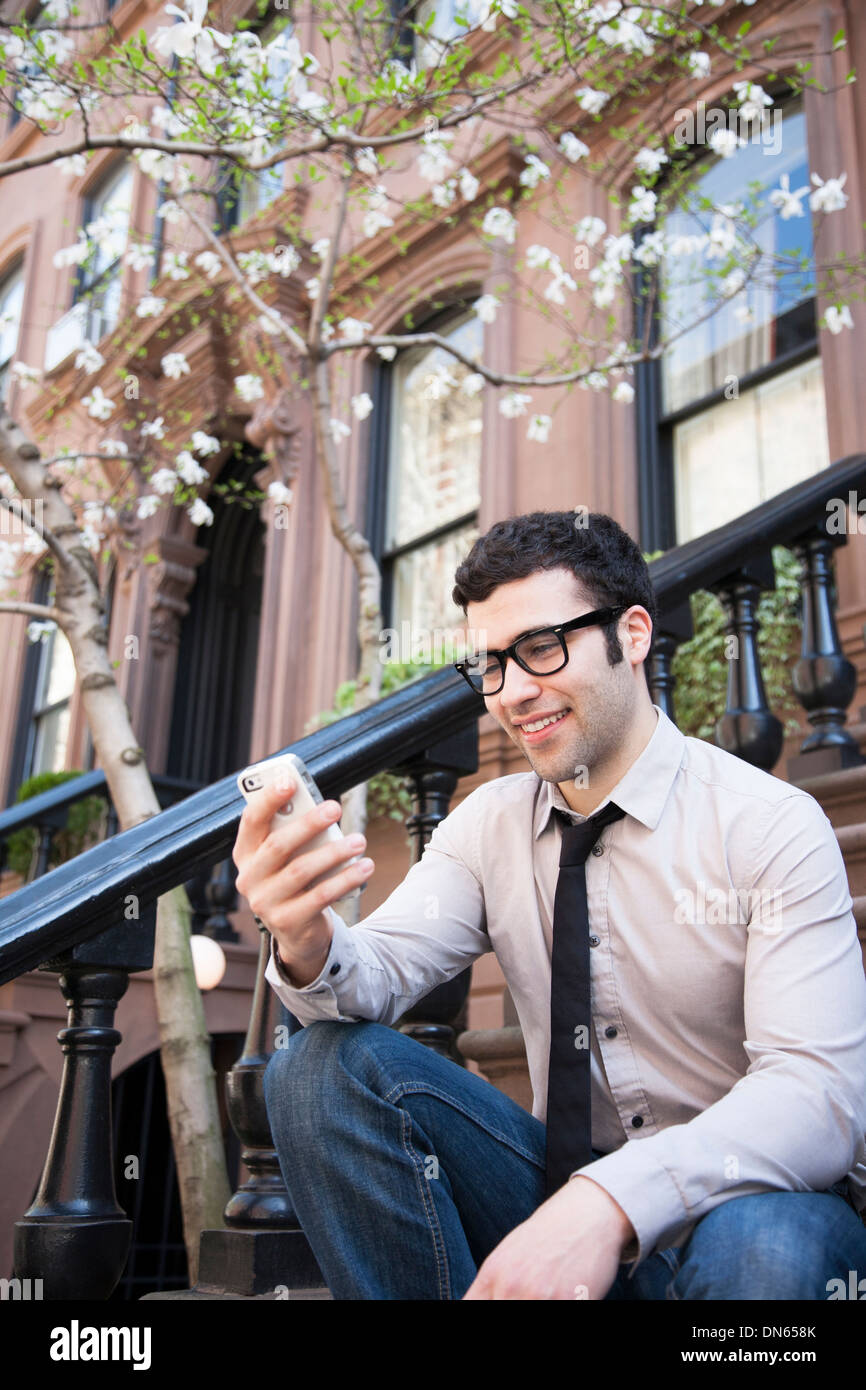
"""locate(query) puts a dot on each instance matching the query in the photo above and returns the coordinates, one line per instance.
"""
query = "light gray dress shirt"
(728, 1047)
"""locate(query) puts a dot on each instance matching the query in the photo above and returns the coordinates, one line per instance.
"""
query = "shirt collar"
(641, 792)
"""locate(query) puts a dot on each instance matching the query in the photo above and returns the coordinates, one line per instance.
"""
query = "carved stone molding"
(277, 428)
(170, 581)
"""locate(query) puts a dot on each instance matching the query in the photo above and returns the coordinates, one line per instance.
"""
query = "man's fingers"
(255, 823)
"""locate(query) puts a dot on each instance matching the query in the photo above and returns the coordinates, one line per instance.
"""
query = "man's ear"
(639, 626)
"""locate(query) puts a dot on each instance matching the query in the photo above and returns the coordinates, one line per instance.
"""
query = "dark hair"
(602, 557)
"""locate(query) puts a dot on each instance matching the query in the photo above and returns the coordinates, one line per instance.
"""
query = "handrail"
(22, 814)
(84, 897)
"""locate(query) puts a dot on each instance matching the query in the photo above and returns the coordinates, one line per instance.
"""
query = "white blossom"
(443, 194)
(648, 161)
(486, 307)
(533, 171)
(686, 245)
(147, 505)
(837, 317)
(205, 444)
(320, 248)
(595, 381)
(361, 406)
(249, 387)
(72, 165)
(651, 249)
(499, 223)
(744, 313)
(72, 255)
(209, 263)
(472, 384)
(725, 143)
(642, 207)
(353, 330)
(698, 64)
(589, 230)
(153, 429)
(514, 404)
(312, 287)
(722, 238)
(538, 257)
(278, 492)
(571, 147)
(338, 430)
(284, 259)
(539, 428)
(376, 218)
(89, 358)
(366, 161)
(752, 99)
(98, 405)
(624, 392)
(468, 184)
(828, 197)
(171, 212)
(113, 446)
(138, 256)
(434, 161)
(190, 40)
(189, 470)
(733, 283)
(200, 513)
(588, 99)
(176, 267)
(561, 280)
(255, 265)
(387, 352)
(164, 480)
(175, 365)
(788, 200)
(156, 164)
(149, 306)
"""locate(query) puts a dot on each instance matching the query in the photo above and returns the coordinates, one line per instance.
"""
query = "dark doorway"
(219, 639)
(147, 1189)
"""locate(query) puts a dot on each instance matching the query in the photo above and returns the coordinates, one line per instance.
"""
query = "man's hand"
(571, 1247)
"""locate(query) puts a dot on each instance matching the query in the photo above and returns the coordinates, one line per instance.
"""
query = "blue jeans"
(406, 1171)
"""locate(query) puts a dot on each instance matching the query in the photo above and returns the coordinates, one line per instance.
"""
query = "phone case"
(304, 798)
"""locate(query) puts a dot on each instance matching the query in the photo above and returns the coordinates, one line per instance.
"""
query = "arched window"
(11, 305)
(425, 479)
(742, 388)
(46, 699)
(99, 282)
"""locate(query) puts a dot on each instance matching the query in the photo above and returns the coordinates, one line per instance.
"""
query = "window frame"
(15, 271)
(229, 197)
(379, 475)
(654, 427)
(83, 285)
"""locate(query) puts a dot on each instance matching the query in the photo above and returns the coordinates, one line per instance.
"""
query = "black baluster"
(75, 1237)
(221, 898)
(748, 728)
(824, 680)
(674, 626)
(45, 835)
(262, 1245)
(437, 1019)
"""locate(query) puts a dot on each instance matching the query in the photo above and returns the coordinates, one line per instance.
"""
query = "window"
(49, 680)
(243, 195)
(743, 387)
(99, 281)
(445, 27)
(425, 486)
(11, 304)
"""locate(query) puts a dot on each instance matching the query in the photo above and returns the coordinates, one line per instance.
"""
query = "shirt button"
(598, 849)
(335, 969)
(636, 1121)
(594, 940)
(610, 1032)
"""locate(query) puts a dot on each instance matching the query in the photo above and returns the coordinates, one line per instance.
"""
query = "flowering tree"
(370, 124)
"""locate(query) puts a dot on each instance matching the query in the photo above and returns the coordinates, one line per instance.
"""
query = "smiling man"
(699, 1076)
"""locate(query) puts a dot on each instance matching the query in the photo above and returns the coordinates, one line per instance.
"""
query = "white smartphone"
(288, 769)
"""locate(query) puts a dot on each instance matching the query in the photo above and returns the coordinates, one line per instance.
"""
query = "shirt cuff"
(647, 1193)
(318, 999)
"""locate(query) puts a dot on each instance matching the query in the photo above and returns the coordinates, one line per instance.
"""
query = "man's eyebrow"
(524, 632)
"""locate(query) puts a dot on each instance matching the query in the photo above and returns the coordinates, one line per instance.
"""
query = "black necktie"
(569, 1124)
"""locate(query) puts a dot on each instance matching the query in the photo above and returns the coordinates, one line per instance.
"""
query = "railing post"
(824, 679)
(437, 1019)
(674, 626)
(75, 1237)
(748, 728)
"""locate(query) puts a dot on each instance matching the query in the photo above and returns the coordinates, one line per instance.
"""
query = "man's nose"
(519, 687)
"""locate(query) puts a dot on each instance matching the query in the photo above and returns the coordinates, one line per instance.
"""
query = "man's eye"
(541, 646)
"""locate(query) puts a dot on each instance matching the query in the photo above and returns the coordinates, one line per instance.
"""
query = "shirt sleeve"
(795, 1121)
(431, 928)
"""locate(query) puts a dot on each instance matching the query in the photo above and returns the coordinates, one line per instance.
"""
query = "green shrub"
(83, 825)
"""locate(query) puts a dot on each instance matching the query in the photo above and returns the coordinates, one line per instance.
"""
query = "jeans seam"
(402, 1088)
(442, 1274)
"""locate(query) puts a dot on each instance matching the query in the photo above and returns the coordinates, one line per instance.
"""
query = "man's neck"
(603, 779)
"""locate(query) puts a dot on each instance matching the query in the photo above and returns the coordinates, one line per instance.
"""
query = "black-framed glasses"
(541, 653)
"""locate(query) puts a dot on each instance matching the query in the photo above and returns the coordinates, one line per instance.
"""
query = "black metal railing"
(72, 919)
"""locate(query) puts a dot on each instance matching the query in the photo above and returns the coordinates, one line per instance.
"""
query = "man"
(728, 1039)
